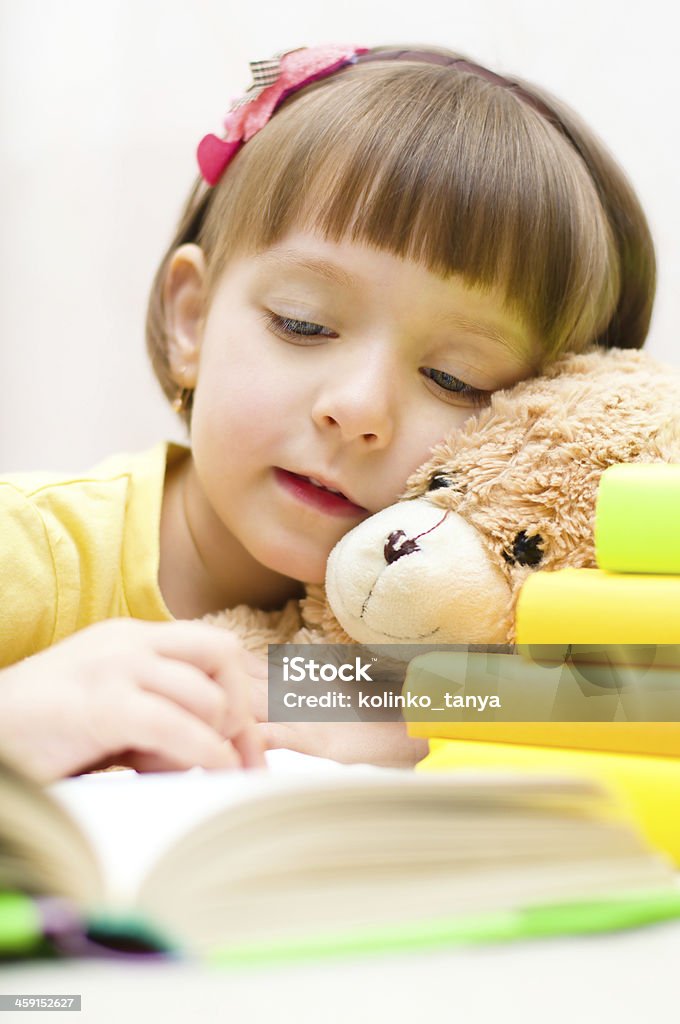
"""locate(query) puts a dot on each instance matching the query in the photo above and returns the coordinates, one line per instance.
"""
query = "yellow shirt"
(76, 550)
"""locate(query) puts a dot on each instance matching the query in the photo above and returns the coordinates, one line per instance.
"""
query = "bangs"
(437, 166)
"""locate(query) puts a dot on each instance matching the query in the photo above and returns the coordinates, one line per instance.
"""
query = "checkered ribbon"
(274, 79)
(265, 73)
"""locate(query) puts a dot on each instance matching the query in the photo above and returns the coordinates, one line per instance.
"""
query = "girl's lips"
(305, 491)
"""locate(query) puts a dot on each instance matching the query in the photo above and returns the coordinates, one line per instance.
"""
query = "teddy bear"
(509, 493)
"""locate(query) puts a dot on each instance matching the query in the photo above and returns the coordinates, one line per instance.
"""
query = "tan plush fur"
(309, 621)
(530, 462)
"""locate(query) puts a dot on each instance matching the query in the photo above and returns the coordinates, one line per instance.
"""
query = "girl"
(382, 239)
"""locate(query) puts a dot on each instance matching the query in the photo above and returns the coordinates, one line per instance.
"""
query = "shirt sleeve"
(28, 581)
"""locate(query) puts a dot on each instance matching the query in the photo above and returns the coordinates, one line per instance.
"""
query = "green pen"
(21, 931)
(547, 920)
(52, 926)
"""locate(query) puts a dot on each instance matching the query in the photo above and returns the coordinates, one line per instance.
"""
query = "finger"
(207, 647)
(219, 654)
(237, 685)
(277, 734)
(256, 665)
(186, 686)
(259, 700)
(250, 745)
(156, 726)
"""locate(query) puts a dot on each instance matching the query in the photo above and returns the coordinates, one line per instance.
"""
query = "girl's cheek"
(418, 453)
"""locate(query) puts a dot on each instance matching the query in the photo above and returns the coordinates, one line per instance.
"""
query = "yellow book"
(537, 693)
(590, 606)
(654, 739)
(648, 786)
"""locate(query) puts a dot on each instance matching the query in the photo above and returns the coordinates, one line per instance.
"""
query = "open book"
(226, 863)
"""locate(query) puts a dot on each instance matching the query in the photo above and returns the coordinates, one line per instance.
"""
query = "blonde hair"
(505, 187)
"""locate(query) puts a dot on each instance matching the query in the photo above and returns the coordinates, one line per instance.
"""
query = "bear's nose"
(398, 544)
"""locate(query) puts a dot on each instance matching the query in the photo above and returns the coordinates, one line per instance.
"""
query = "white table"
(622, 978)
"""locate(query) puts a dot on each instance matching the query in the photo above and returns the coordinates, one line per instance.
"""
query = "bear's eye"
(439, 480)
(525, 550)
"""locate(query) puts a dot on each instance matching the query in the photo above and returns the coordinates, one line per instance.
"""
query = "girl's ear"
(184, 313)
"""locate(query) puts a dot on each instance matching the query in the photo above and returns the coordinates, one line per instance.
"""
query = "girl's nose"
(358, 404)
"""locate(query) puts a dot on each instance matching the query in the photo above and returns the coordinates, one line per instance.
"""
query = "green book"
(636, 518)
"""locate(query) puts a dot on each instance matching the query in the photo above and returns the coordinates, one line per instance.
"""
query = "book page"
(130, 818)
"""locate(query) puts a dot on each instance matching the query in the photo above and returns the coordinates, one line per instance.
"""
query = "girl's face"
(336, 362)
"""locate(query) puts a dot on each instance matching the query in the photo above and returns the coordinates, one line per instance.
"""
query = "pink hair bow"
(273, 81)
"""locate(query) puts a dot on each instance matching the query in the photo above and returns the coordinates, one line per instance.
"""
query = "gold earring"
(183, 396)
(183, 400)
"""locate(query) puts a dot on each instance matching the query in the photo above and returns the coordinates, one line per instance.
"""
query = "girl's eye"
(456, 387)
(285, 327)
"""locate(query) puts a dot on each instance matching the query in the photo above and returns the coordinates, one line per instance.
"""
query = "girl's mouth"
(306, 490)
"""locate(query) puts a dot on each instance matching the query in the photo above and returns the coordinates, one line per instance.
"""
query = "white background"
(102, 107)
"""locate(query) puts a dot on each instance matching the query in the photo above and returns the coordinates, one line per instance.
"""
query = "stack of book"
(632, 598)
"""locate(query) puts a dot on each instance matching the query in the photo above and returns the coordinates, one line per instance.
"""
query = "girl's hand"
(384, 743)
(154, 696)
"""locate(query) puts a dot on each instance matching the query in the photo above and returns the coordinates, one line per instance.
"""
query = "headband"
(278, 77)
(273, 81)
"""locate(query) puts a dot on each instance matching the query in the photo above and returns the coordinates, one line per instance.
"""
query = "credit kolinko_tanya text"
(303, 670)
